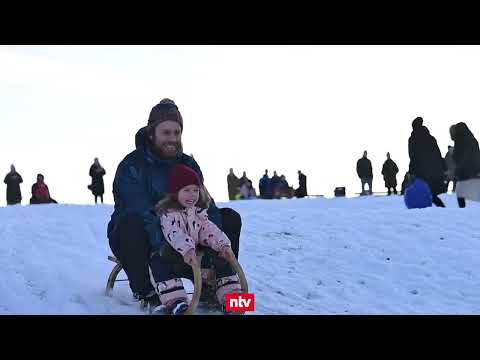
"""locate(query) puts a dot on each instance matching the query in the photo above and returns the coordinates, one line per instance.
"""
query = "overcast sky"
(284, 108)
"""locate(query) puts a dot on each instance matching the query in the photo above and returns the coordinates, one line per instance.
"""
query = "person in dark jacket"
(364, 171)
(134, 231)
(389, 172)
(284, 189)
(466, 155)
(302, 185)
(274, 185)
(13, 181)
(233, 185)
(243, 179)
(264, 186)
(450, 165)
(41, 193)
(97, 186)
(426, 161)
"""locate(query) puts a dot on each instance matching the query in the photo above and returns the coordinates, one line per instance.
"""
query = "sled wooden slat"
(114, 259)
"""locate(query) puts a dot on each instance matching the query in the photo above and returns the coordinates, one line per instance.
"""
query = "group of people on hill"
(461, 165)
(275, 187)
(40, 190)
(389, 172)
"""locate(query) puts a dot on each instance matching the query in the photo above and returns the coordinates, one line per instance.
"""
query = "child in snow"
(185, 224)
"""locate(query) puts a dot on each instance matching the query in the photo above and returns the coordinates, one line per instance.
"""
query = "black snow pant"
(96, 197)
(129, 243)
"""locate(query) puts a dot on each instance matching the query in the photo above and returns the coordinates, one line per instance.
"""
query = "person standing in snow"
(389, 172)
(467, 163)
(364, 172)
(233, 185)
(302, 185)
(264, 186)
(243, 179)
(426, 161)
(97, 186)
(275, 184)
(13, 181)
(134, 231)
(185, 224)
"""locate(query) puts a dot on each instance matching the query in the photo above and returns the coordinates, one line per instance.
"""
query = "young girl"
(185, 224)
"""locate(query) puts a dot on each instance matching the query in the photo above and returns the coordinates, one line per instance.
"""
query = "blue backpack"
(417, 194)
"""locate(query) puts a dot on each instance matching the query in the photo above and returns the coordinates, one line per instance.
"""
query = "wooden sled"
(197, 280)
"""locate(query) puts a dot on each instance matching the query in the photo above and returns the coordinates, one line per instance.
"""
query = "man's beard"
(163, 154)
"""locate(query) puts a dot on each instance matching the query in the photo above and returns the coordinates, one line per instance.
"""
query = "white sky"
(284, 108)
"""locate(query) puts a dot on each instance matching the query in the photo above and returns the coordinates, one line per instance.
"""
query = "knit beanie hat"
(180, 176)
(165, 110)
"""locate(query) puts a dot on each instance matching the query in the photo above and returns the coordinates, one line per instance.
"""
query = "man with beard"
(134, 232)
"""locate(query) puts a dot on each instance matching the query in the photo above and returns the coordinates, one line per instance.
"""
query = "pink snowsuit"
(184, 230)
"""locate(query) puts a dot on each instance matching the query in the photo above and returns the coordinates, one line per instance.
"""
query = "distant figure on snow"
(247, 191)
(302, 185)
(426, 161)
(364, 171)
(405, 182)
(233, 185)
(97, 186)
(13, 181)
(450, 164)
(40, 192)
(389, 172)
(264, 186)
(274, 184)
(467, 164)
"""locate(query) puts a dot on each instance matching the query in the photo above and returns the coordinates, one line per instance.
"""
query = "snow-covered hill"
(366, 255)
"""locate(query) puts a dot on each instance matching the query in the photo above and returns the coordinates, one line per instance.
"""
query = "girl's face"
(188, 196)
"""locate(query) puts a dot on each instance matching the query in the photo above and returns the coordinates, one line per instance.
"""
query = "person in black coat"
(243, 179)
(466, 155)
(426, 161)
(13, 181)
(389, 172)
(264, 186)
(97, 186)
(302, 185)
(364, 171)
(275, 185)
(233, 185)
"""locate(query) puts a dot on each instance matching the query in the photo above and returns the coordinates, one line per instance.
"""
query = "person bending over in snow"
(185, 225)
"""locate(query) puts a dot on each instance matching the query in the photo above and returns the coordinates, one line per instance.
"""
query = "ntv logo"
(239, 302)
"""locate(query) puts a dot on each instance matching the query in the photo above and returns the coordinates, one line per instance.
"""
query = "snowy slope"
(301, 256)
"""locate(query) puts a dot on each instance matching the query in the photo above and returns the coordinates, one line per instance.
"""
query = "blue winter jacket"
(141, 181)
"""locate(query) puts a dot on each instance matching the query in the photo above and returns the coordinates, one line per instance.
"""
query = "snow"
(366, 255)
